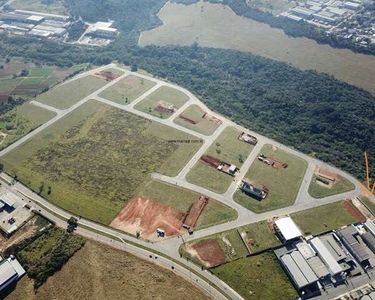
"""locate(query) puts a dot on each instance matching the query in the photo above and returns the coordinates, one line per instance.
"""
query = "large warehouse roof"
(288, 228)
(326, 256)
(299, 270)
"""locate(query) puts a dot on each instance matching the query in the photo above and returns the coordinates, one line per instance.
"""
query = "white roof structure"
(9, 198)
(7, 274)
(35, 18)
(326, 256)
(288, 228)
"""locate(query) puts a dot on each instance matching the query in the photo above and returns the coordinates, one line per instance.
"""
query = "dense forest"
(312, 112)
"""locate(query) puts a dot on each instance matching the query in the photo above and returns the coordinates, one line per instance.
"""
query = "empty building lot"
(127, 90)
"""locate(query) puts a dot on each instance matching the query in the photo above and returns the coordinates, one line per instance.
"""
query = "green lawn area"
(7, 85)
(93, 160)
(257, 277)
(66, 95)
(318, 191)
(32, 81)
(209, 178)
(163, 94)
(56, 7)
(323, 218)
(283, 184)
(181, 199)
(185, 151)
(127, 90)
(195, 113)
(21, 120)
(40, 72)
(228, 148)
(369, 204)
(262, 236)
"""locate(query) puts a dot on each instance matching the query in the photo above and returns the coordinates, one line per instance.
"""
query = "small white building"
(287, 229)
(10, 271)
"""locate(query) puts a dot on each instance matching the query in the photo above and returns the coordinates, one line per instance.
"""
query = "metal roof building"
(9, 199)
(10, 270)
(298, 269)
(287, 228)
(347, 235)
(326, 256)
(333, 247)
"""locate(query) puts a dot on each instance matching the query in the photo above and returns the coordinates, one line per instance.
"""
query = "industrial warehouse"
(34, 24)
(331, 265)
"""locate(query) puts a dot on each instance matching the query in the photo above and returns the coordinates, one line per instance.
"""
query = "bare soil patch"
(361, 208)
(144, 216)
(353, 211)
(187, 119)
(212, 118)
(210, 161)
(106, 75)
(195, 211)
(208, 252)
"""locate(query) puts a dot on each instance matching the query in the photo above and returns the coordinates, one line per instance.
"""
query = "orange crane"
(368, 177)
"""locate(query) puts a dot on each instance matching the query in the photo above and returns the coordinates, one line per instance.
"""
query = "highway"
(170, 246)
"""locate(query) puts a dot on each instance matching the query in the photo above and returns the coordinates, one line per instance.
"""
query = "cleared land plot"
(66, 95)
(93, 159)
(323, 218)
(145, 216)
(181, 199)
(195, 114)
(40, 72)
(7, 85)
(227, 148)
(127, 90)
(101, 272)
(318, 191)
(258, 237)
(52, 7)
(283, 184)
(163, 102)
(217, 26)
(20, 121)
(257, 277)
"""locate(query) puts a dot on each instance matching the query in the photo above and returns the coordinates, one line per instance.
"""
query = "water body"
(215, 25)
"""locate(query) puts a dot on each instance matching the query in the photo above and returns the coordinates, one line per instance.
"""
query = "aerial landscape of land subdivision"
(187, 149)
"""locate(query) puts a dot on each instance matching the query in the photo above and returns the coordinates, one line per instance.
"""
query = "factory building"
(44, 15)
(287, 229)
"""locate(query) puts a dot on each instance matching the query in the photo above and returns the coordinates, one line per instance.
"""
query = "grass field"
(21, 120)
(262, 236)
(66, 95)
(162, 94)
(209, 178)
(323, 218)
(195, 113)
(127, 90)
(100, 157)
(283, 184)
(257, 277)
(56, 7)
(214, 25)
(101, 272)
(318, 191)
(38, 79)
(181, 199)
(177, 160)
(369, 204)
(228, 148)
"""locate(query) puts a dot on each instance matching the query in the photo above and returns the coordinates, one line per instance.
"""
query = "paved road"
(101, 233)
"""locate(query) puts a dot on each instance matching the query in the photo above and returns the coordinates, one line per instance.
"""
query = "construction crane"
(368, 176)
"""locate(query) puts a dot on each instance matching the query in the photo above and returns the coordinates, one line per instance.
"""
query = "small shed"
(287, 229)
